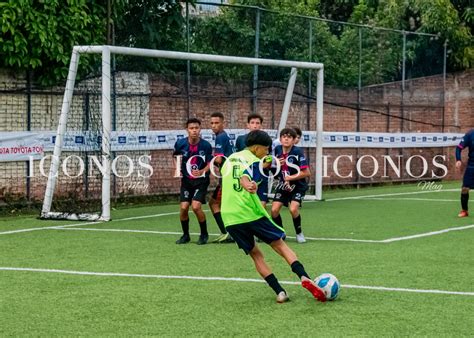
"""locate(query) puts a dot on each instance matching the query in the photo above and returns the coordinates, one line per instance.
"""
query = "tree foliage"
(39, 35)
(153, 24)
(285, 36)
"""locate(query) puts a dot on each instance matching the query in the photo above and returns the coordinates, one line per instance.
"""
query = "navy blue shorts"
(193, 190)
(285, 197)
(244, 234)
(468, 180)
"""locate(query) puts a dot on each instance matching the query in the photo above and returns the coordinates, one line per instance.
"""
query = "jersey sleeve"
(278, 150)
(253, 172)
(219, 149)
(464, 142)
(208, 152)
(303, 162)
(177, 150)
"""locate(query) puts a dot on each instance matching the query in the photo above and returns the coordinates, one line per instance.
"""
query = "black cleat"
(183, 239)
(202, 239)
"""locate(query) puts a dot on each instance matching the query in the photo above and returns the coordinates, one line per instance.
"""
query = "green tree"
(439, 17)
(282, 36)
(153, 24)
(38, 36)
(442, 18)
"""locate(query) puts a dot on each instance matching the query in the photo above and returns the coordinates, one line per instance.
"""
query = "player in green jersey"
(246, 218)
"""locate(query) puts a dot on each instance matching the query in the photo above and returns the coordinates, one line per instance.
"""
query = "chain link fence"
(376, 80)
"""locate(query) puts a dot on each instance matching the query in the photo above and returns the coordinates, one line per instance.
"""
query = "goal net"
(110, 144)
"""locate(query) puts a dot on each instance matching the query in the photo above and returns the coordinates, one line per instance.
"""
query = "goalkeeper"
(245, 217)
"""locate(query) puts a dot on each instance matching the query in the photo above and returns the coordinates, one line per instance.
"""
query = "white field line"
(180, 233)
(175, 213)
(389, 240)
(136, 231)
(225, 279)
(195, 233)
(409, 199)
(44, 228)
(432, 233)
(388, 195)
(86, 223)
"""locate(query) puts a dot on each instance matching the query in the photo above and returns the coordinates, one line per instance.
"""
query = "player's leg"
(276, 207)
(243, 235)
(265, 271)
(185, 201)
(467, 183)
(464, 202)
(289, 255)
(199, 198)
(295, 204)
(184, 219)
(201, 217)
(273, 235)
(215, 206)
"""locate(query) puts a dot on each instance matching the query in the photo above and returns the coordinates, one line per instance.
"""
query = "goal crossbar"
(165, 54)
(106, 52)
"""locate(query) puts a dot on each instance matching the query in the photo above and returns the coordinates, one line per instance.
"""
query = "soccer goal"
(98, 139)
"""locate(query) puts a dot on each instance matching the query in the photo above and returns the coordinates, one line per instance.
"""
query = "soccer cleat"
(219, 238)
(202, 239)
(183, 239)
(227, 239)
(463, 213)
(300, 238)
(282, 297)
(224, 238)
(309, 285)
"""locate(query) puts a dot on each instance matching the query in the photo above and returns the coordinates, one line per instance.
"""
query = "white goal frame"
(106, 52)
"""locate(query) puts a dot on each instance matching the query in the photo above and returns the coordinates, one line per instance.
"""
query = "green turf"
(45, 304)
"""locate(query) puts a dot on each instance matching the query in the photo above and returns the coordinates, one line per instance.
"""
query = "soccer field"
(404, 259)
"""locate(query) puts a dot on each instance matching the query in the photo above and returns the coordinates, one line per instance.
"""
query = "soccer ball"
(329, 284)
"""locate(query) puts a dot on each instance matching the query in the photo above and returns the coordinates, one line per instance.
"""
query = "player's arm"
(204, 170)
(177, 164)
(248, 184)
(218, 160)
(302, 174)
(303, 166)
(219, 151)
(207, 159)
(459, 148)
(251, 177)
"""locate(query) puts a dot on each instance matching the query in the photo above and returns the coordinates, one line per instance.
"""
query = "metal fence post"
(359, 89)
(359, 85)
(444, 83)
(402, 112)
(28, 128)
(310, 90)
(255, 67)
(188, 64)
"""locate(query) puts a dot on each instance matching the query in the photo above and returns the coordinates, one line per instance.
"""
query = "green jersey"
(238, 205)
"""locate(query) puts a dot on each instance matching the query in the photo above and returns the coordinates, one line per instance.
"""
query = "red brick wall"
(381, 111)
(380, 105)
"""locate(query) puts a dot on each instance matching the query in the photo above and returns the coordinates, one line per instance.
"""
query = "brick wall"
(155, 102)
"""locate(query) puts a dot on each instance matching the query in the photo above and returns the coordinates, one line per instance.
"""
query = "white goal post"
(106, 52)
